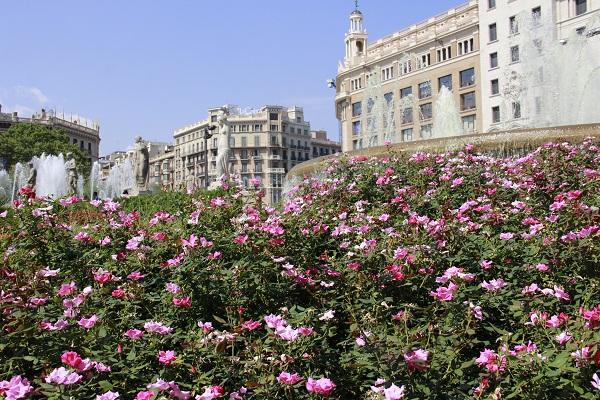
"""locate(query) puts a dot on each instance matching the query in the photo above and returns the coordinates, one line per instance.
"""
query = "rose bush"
(440, 276)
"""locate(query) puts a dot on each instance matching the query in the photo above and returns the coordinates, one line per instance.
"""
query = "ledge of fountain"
(501, 142)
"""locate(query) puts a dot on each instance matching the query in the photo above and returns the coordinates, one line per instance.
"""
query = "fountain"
(20, 175)
(4, 186)
(446, 119)
(51, 179)
(556, 81)
(120, 179)
(94, 176)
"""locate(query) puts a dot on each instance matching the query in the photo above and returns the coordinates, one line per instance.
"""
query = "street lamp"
(331, 85)
(208, 133)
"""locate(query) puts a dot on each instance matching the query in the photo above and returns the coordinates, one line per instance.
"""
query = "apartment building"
(529, 69)
(386, 91)
(82, 133)
(322, 146)
(162, 169)
(265, 144)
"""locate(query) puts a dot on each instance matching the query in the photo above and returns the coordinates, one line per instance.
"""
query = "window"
(494, 60)
(370, 104)
(407, 116)
(356, 83)
(406, 67)
(356, 128)
(257, 127)
(467, 101)
(258, 166)
(424, 90)
(244, 154)
(495, 87)
(274, 141)
(407, 135)
(444, 53)
(389, 98)
(405, 92)
(426, 131)
(213, 118)
(387, 74)
(426, 111)
(467, 77)
(445, 81)
(423, 61)
(292, 130)
(256, 141)
(232, 141)
(273, 116)
(274, 127)
(493, 33)
(580, 7)
(516, 110)
(496, 114)
(536, 14)
(89, 147)
(514, 54)
(491, 4)
(244, 141)
(468, 123)
(356, 109)
(465, 46)
(513, 25)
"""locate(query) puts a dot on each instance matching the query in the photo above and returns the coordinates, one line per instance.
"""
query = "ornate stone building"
(84, 134)
(387, 89)
(265, 144)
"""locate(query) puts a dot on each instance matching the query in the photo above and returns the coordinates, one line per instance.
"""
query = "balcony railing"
(276, 170)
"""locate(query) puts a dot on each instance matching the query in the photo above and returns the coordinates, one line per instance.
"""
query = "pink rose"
(88, 323)
(286, 378)
(166, 357)
(322, 386)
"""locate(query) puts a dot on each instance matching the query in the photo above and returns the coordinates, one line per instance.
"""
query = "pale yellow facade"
(417, 62)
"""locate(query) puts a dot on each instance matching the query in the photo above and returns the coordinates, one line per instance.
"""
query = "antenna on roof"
(356, 4)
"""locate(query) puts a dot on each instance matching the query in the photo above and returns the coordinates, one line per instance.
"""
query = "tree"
(24, 141)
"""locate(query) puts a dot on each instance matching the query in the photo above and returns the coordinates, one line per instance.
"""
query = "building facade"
(322, 146)
(83, 134)
(162, 169)
(530, 73)
(387, 91)
(264, 143)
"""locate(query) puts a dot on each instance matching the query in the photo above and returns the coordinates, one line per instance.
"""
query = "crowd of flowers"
(439, 276)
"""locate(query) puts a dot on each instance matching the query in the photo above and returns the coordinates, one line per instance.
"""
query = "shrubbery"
(427, 276)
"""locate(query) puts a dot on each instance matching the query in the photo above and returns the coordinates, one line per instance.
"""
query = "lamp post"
(208, 133)
(331, 85)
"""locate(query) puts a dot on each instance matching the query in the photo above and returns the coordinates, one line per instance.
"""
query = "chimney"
(0, 108)
(15, 116)
(43, 113)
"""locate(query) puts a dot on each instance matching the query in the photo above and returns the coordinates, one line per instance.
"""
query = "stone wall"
(500, 143)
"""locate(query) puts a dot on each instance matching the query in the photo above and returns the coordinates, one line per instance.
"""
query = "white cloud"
(22, 99)
(38, 95)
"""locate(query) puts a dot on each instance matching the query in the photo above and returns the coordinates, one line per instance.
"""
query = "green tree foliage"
(24, 141)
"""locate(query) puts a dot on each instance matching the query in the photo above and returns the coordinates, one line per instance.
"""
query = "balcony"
(276, 170)
(257, 157)
(274, 157)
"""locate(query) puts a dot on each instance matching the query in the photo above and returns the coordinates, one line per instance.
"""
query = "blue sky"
(149, 67)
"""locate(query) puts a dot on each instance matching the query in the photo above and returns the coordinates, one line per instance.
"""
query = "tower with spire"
(356, 37)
